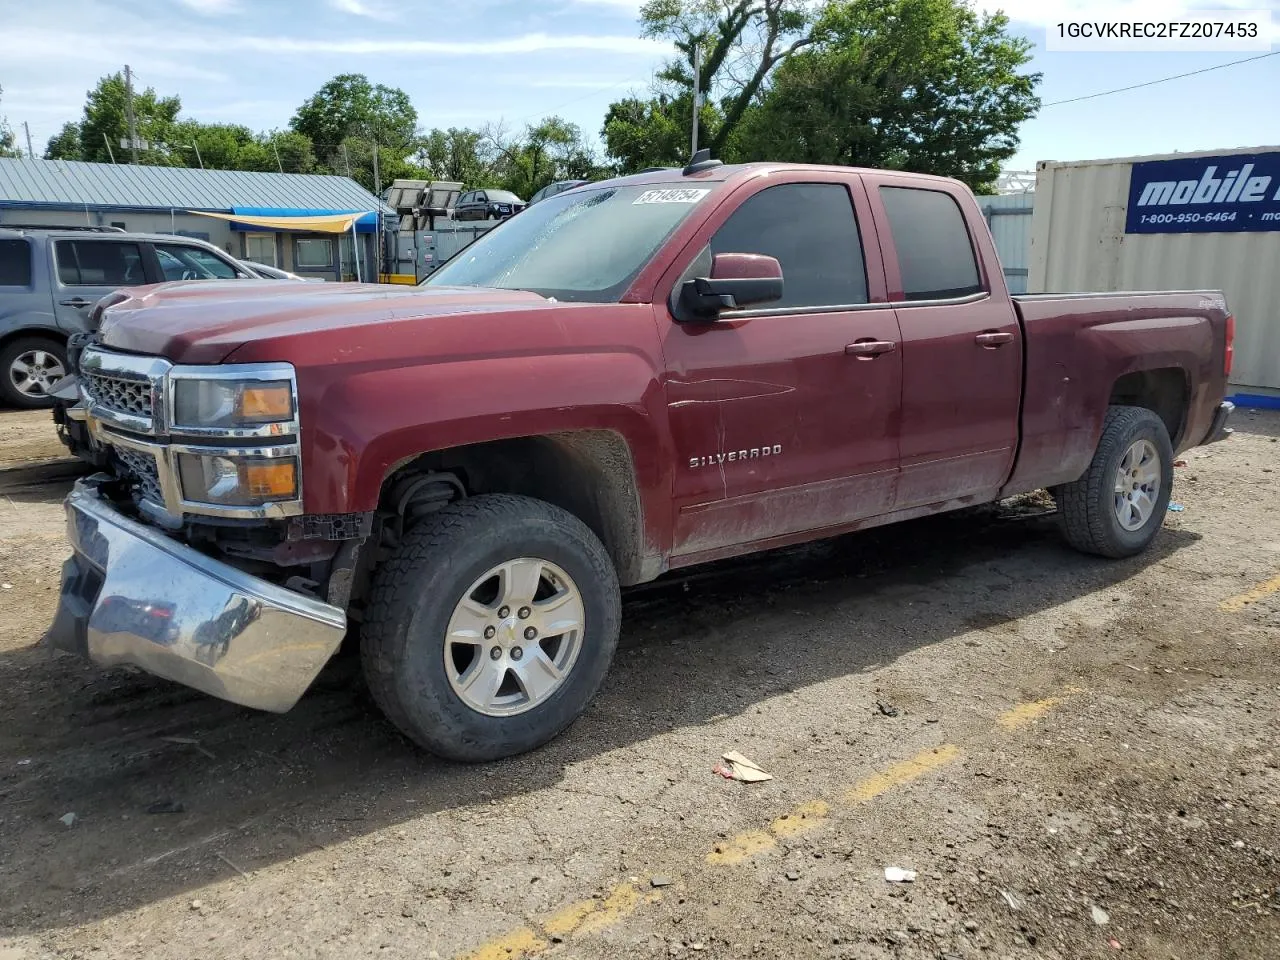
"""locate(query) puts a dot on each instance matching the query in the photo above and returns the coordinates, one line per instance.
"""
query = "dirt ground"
(1079, 758)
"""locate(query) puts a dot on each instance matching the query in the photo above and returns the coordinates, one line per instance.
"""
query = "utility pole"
(346, 159)
(128, 114)
(107, 140)
(377, 183)
(31, 154)
(196, 147)
(279, 165)
(697, 93)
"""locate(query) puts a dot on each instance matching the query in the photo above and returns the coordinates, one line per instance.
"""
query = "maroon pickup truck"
(628, 378)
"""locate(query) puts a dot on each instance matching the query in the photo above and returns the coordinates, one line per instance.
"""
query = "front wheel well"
(589, 473)
(1164, 392)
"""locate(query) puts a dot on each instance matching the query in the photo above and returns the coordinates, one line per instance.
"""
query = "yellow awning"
(329, 223)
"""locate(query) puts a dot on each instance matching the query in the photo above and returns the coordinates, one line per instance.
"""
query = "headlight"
(237, 480)
(231, 403)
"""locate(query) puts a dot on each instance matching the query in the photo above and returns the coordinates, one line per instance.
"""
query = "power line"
(1152, 83)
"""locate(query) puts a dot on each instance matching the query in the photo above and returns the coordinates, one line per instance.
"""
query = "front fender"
(358, 427)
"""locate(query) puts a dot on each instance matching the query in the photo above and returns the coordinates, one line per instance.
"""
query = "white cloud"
(211, 8)
(30, 44)
(362, 8)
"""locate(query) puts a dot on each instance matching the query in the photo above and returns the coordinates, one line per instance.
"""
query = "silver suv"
(50, 279)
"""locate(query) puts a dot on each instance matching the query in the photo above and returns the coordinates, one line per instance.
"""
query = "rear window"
(93, 263)
(935, 255)
(15, 263)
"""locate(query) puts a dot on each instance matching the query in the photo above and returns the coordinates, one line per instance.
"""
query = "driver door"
(784, 420)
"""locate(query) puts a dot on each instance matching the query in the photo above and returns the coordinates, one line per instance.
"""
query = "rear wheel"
(491, 627)
(1118, 506)
(29, 367)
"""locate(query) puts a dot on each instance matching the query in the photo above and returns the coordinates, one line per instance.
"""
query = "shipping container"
(1009, 217)
(1187, 221)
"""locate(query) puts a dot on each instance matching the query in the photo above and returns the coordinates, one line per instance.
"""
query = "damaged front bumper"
(131, 595)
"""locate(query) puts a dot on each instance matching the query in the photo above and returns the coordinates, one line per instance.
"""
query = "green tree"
(742, 42)
(8, 142)
(654, 132)
(454, 154)
(104, 122)
(65, 144)
(922, 85)
(346, 117)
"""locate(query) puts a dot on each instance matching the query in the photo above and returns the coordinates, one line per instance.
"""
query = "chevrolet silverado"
(628, 378)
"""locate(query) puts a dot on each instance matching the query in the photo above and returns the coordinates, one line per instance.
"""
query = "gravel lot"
(1077, 758)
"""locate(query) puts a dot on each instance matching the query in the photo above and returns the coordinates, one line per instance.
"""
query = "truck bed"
(1079, 345)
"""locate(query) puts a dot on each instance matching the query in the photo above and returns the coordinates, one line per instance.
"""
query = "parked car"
(631, 377)
(267, 272)
(487, 205)
(552, 189)
(50, 279)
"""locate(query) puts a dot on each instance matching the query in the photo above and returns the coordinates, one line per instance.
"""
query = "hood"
(206, 321)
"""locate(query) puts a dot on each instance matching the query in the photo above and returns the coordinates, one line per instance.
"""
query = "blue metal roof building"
(157, 200)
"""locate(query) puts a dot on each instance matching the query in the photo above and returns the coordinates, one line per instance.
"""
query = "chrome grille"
(142, 469)
(121, 395)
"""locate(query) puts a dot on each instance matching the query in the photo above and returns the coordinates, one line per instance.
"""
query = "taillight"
(1231, 345)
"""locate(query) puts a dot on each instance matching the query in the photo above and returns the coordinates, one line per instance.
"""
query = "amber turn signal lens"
(270, 479)
(273, 401)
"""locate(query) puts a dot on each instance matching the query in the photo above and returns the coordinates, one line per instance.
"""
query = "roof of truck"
(742, 171)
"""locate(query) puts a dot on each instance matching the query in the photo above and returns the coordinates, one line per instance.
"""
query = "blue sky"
(469, 62)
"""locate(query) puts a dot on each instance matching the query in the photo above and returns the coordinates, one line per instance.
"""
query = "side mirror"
(737, 280)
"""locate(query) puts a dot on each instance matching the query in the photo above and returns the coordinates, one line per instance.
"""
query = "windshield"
(502, 196)
(585, 245)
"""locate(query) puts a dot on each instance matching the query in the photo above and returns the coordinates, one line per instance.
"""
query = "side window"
(310, 253)
(94, 263)
(211, 263)
(935, 254)
(481, 197)
(15, 263)
(811, 230)
(192, 263)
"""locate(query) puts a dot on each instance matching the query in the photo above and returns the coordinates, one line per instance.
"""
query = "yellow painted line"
(802, 819)
(1238, 603)
(621, 902)
(512, 946)
(565, 920)
(900, 773)
(585, 917)
(1027, 713)
(740, 847)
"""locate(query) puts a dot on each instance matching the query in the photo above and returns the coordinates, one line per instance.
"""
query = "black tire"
(414, 594)
(11, 351)
(1087, 506)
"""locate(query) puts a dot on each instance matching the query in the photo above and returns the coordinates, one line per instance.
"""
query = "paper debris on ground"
(898, 875)
(734, 766)
(1100, 916)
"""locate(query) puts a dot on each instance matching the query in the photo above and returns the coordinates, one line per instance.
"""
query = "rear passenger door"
(961, 343)
(86, 270)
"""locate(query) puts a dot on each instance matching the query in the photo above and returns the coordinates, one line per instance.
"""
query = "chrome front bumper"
(131, 595)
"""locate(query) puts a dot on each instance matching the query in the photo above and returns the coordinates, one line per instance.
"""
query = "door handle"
(993, 338)
(76, 302)
(869, 349)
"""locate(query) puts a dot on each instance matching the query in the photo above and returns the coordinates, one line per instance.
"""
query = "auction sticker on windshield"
(682, 195)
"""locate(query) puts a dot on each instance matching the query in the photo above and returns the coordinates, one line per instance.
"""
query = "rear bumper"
(1219, 429)
(131, 595)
